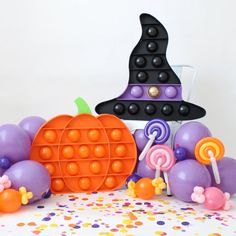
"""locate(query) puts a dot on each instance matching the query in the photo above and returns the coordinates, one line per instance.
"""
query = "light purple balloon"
(144, 170)
(14, 143)
(188, 135)
(31, 125)
(140, 139)
(227, 170)
(185, 175)
(1, 171)
(31, 175)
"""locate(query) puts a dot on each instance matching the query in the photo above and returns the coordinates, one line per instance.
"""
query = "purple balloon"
(31, 125)
(14, 143)
(1, 171)
(185, 175)
(31, 175)
(144, 170)
(132, 177)
(227, 170)
(180, 153)
(140, 139)
(188, 135)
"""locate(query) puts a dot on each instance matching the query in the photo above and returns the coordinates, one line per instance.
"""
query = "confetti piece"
(132, 216)
(111, 214)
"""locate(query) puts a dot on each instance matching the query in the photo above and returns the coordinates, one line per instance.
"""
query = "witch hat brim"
(154, 90)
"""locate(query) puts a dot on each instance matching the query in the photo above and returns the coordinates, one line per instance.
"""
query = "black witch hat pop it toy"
(154, 90)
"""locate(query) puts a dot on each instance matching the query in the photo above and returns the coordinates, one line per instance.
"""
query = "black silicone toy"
(154, 90)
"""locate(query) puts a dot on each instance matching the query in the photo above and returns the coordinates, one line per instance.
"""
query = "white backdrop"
(54, 51)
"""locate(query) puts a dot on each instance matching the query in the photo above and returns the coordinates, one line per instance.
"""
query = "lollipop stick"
(214, 167)
(158, 172)
(168, 192)
(148, 145)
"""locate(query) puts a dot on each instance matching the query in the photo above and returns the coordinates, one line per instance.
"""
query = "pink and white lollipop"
(161, 158)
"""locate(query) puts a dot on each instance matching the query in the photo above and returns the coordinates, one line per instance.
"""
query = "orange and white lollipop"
(208, 151)
(161, 158)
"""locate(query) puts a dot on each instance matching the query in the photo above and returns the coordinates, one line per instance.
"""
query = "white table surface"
(113, 213)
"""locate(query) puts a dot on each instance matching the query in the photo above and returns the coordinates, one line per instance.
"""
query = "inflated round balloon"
(133, 178)
(140, 139)
(185, 175)
(188, 135)
(14, 143)
(214, 198)
(31, 175)
(10, 201)
(144, 170)
(180, 153)
(1, 171)
(227, 170)
(31, 125)
(5, 162)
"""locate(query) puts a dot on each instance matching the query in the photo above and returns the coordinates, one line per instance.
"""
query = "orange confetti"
(31, 224)
(138, 223)
(129, 226)
(36, 232)
(72, 225)
(119, 226)
(20, 224)
(132, 216)
(67, 218)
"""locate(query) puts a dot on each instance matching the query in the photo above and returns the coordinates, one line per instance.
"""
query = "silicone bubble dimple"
(99, 151)
(51, 168)
(72, 168)
(73, 135)
(117, 166)
(57, 185)
(85, 183)
(83, 151)
(45, 153)
(116, 135)
(120, 150)
(95, 167)
(68, 152)
(110, 182)
(50, 136)
(93, 135)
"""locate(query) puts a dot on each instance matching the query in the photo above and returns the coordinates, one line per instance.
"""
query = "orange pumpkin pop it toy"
(85, 153)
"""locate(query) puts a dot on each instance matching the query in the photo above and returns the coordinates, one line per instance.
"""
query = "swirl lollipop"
(158, 132)
(208, 151)
(161, 158)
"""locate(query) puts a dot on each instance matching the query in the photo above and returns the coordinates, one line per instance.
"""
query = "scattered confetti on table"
(114, 213)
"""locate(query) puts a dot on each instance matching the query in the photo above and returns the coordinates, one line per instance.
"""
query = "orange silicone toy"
(85, 153)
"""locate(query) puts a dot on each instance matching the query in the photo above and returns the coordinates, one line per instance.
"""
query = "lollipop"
(208, 151)
(158, 132)
(161, 158)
